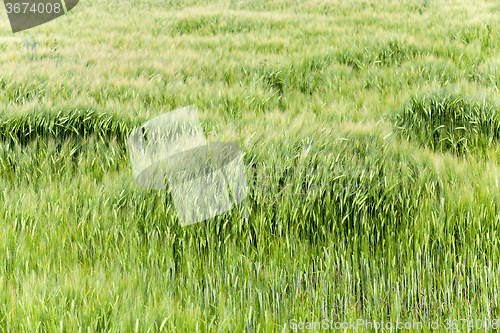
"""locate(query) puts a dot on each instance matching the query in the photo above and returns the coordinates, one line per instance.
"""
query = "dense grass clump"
(354, 187)
(450, 123)
(42, 123)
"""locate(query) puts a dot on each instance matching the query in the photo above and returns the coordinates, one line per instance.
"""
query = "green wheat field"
(371, 139)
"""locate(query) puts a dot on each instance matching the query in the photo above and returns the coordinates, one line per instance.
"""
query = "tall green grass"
(451, 123)
(372, 194)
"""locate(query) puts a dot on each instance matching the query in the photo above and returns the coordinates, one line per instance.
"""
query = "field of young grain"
(371, 134)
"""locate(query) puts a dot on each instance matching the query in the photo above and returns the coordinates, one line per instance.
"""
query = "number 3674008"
(27, 8)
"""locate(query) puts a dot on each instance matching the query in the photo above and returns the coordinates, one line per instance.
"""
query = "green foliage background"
(370, 132)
